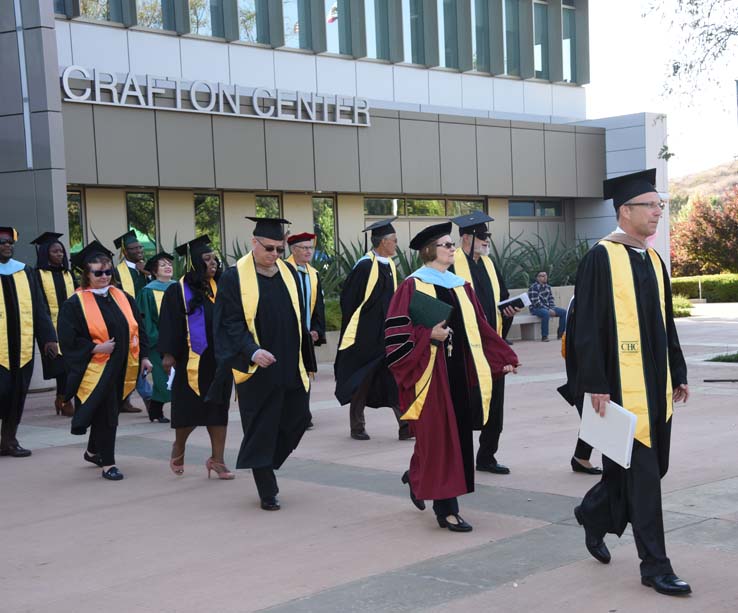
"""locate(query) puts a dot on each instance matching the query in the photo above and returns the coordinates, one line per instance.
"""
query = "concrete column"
(32, 175)
(555, 36)
(582, 26)
(527, 63)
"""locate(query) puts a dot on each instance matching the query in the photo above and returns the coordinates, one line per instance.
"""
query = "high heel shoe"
(177, 469)
(420, 504)
(220, 469)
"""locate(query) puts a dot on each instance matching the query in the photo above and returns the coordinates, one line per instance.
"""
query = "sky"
(629, 63)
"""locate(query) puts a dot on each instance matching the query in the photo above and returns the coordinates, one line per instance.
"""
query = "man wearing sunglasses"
(261, 337)
(23, 317)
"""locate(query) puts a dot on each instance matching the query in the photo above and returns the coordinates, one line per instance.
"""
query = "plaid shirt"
(541, 296)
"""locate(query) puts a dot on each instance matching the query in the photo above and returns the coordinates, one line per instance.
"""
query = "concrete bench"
(529, 327)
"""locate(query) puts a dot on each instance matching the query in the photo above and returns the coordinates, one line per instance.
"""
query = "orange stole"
(99, 334)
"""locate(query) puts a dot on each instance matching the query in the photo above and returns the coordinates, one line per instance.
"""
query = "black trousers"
(489, 436)
(61, 384)
(358, 404)
(102, 437)
(266, 482)
(507, 323)
(445, 507)
(583, 450)
(640, 489)
(155, 409)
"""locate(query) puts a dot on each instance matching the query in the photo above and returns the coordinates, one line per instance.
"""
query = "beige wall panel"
(185, 150)
(125, 140)
(79, 135)
(240, 158)
(494, 155)
(500, 227)
(421, 158)
(350, 218)
(458, 158)
(590, 164)
(336, 158)
(379, 157)
(236, 206)
(105, 214)
(529, 171)
(298, 209)
(176, 217)
(526, 229)
(290, 156)
(561, 164)
(548, 231)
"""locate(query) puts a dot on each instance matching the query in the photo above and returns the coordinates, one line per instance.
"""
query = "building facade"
(179, 117)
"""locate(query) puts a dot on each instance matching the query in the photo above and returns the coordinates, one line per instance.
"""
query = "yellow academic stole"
(25, 314)
(349, 335)
(313, 276)
(629, 342)
(461, 268)
(193, 358)
(249, 284)
(47, 283)
(126, 279)
(483, 370)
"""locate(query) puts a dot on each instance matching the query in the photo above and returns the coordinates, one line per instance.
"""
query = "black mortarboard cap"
(47, 238)
(473, 223)
(380, 228)
(151, 262)
(269, 227)
(125, 239)
(10, 230)
(197, 246)
(623, 188)
(92, 250)
(429, 234)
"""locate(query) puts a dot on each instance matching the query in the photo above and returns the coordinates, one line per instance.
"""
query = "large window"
(338, 26)
(536, 208)
(248, 26)
(201, 18)
(420, 207)
(95, 9)
(512, 36)
(297, 24)
(540, 39)
(141, 218)
(569, 43)
(480, 35)
(268, 206)
(324, 226)
(448, 47)
(208, 218)
(149, 13)
(377, 28)
(75, 220)
(412, 31)
(59, 7)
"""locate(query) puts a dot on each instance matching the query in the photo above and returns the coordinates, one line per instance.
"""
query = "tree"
(708, 39)
(94, 9)
(706, 241)
(247, 21)
(148, 13)
(200, 17)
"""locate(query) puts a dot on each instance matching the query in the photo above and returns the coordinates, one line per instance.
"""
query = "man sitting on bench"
(542, 305)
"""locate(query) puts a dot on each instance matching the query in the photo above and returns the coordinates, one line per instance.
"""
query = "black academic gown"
(139, 279)
(592, 366)
(77, 345)
(14, 382)
(189, 409)
(53, 368)
(274, 404)
(366, 357)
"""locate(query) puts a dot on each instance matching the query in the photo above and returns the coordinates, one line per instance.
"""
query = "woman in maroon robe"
(464, 350)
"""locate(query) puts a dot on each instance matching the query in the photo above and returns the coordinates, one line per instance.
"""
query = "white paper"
(524, 297)
(612, 434)
(170, 379)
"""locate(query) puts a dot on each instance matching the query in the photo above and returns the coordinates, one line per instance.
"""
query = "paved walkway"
(348, 538)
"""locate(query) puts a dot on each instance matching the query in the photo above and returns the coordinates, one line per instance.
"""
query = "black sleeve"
(172, 326)
(677, 364)
(307, 349)
(352, 294)
(42, 325)
(317, 322)
(504, 293)
(232, 337)
(74, 336)
(143, 339)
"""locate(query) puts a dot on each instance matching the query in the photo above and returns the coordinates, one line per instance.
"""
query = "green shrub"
(725, 357)
(715, 288)
(332, 314)
(682, 306)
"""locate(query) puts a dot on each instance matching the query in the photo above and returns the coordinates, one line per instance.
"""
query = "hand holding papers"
(170, 379)
(517, 302)
(612, 434)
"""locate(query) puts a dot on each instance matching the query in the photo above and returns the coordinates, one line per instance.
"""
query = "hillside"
(707, 183)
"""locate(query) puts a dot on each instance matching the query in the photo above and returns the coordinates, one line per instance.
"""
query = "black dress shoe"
(509, 342)
(595, 544)
(93, 458)
(112, 474)
(270, 503)
(418, 503)
(309, 426)
(161, 420)
(15, 452)
(494, 467)
(405, 435)
(578, 468)
(670, 584)
(360, 436)
(459, 526)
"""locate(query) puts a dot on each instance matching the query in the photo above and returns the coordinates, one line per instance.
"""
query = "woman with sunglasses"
(186, 345)
(57, 283)
(427, 353)
(149, 299)
(104, 346)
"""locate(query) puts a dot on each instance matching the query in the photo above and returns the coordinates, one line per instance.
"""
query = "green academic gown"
(149, 303)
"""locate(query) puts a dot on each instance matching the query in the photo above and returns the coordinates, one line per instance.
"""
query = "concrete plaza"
(347, 537)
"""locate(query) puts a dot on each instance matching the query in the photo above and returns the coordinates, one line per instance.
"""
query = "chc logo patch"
(629, 347)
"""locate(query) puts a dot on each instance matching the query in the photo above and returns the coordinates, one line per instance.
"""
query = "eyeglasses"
(270, 248)
(7, 241)
(652, 206)
(303, 247)
(446, 245)
(100, 273)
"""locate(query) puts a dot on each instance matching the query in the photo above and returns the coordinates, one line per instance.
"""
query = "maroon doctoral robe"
(442, 465)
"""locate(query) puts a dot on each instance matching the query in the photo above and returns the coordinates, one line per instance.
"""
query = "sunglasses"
(7, 241)
(446, 245)
(270, 248)
(100, 273)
